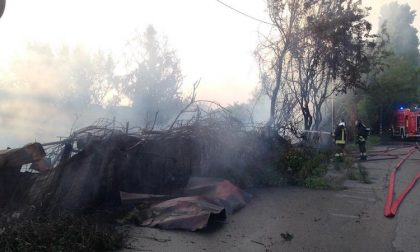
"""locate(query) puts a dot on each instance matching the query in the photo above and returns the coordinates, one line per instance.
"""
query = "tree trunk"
(307, 117)
(317, 117)
(276, 88)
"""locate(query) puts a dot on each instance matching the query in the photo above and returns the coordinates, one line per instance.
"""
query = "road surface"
(351, 219)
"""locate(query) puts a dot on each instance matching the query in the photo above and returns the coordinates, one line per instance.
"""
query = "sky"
(213, 42)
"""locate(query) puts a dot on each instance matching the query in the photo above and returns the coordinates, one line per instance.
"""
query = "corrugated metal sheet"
(213, 199)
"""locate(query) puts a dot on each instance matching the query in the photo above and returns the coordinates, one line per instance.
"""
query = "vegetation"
(316, 182)
(356, 172)
(316, 49)
(153, 79)
(363, 174)
(398, 20)
(61, 233)
(396, 84)
(305, 60)
(305, 167)
(76, 82)
(350, 169)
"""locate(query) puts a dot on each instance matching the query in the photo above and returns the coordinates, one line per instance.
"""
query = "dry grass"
(59, 233)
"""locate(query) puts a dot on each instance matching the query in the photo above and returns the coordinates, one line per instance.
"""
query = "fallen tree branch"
(192, 101)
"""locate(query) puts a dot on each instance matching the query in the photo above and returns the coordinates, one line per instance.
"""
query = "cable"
(246, 15)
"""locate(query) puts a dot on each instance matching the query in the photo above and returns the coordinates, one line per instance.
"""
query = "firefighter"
(362, 134)
(340, 137)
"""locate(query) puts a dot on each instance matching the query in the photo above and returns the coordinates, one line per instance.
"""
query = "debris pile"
(95, 165)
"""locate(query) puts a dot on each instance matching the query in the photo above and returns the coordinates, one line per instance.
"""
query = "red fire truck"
(406, 124)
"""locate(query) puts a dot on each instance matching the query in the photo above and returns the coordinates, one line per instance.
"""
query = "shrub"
(316, 183)
(303, 165)
(41, 233)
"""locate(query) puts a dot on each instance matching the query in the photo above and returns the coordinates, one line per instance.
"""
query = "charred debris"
(109, 165)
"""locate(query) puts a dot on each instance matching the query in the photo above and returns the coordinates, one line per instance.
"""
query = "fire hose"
(391, 206)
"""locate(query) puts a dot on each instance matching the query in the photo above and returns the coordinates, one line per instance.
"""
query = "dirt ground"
(351, 219)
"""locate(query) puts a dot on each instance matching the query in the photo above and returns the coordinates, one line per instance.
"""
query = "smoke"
(398, 21)
(47, 92)
(254, 112)
(44, 91)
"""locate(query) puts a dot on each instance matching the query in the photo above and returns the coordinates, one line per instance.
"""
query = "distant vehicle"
(406, 124)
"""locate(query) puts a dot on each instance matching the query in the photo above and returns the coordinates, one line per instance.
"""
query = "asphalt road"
(351, 219)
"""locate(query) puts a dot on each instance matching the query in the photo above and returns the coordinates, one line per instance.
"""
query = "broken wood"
(17, 157)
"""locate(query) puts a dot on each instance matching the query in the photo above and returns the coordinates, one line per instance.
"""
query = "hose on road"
(391, 206)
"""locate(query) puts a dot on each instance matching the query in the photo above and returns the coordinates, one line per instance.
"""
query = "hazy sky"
(213, 42)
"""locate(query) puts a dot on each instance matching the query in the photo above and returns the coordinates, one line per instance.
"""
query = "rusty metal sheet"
(189, 213)
(222, 191)
(209, 200)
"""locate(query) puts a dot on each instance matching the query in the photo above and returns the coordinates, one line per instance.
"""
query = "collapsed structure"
(96, 165)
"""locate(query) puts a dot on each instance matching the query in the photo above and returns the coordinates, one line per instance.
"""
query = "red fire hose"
(401, 197)
(390, 206)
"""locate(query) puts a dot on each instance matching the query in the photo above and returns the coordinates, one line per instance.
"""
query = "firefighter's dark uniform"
(362, 135)
(340, 138)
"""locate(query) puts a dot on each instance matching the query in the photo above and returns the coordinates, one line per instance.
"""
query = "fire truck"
(406, 123)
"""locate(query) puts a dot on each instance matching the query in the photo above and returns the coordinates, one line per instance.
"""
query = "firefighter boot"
(338, 157)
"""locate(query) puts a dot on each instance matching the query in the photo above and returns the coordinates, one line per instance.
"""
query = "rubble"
(107, 164)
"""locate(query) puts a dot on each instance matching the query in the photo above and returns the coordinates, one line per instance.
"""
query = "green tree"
(154, 78)
(396, 86)
(316, 48)
(398, 20)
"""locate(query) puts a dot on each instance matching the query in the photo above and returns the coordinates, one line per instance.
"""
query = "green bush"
(316, 183)
(363, 174)
(356, 172)
(302, 165)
